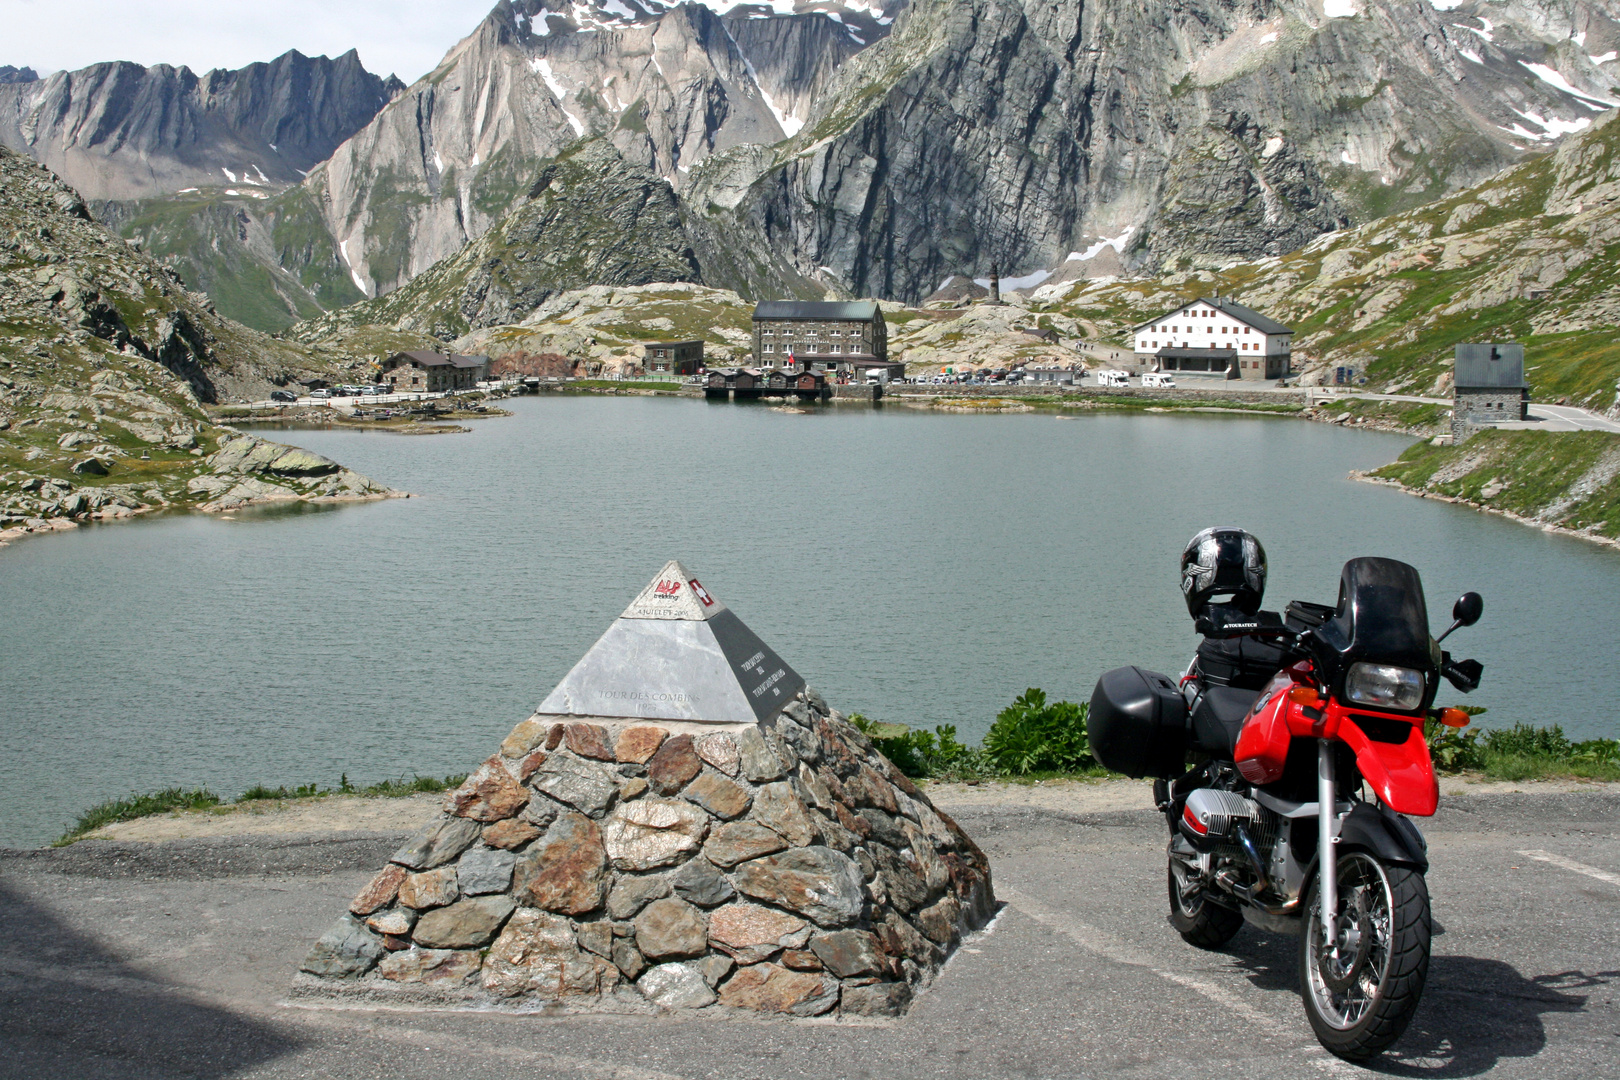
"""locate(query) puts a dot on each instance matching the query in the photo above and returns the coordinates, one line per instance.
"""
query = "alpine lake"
(914, 566)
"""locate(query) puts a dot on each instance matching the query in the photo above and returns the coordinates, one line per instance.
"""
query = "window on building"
(835, 348)
(769, 347)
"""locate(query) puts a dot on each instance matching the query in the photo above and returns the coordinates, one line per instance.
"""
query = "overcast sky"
(402, 37)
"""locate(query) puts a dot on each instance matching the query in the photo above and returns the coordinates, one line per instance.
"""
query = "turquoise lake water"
(916, 567)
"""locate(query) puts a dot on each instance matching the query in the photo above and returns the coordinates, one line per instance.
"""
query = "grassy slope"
(266, 260)
(1569, 480)
(1531, 255)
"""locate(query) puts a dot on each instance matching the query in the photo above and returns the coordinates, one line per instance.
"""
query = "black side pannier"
(1138, 723)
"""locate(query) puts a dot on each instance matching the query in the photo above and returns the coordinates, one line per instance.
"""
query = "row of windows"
(810, 333)
(1144, 344)
(836, 350)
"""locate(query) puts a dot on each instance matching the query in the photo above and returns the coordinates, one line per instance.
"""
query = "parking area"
(173, 959)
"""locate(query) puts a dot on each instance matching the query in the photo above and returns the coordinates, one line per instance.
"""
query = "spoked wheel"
(1199, 920)
(1362, 989)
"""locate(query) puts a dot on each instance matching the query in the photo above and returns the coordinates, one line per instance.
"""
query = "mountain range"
(834, 148)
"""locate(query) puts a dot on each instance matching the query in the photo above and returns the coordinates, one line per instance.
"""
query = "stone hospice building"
(672, 357)
(433, 373)
(683, 825)
(844, 337)
(1488, 387)
(1214, 336)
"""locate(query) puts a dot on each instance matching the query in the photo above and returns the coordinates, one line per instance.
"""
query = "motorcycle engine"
(1227, 831)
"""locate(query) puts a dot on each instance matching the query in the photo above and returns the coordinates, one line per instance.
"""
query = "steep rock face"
(668, 85)
(793, 57)
(122, 131)
(590, 218)
(1012, 132)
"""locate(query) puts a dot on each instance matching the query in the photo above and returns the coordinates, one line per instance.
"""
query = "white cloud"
(402, 37)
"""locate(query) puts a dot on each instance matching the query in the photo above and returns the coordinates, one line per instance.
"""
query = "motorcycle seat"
(1219, 717)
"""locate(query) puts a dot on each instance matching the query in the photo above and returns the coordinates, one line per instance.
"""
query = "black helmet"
(1223, 561)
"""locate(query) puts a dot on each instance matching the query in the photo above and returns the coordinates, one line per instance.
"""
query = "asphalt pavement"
(174, 960)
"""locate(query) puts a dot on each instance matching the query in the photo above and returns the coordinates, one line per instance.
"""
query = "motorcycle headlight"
(1384, 686)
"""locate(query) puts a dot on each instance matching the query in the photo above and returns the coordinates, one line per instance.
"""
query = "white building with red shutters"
(1213, 336)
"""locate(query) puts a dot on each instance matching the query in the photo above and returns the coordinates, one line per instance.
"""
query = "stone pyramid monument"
(682, 825)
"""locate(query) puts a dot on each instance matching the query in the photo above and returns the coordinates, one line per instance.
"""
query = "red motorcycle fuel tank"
(1390, 749)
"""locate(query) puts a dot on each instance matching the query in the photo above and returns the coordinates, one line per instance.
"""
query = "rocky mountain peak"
(9, 75)
(122, 131)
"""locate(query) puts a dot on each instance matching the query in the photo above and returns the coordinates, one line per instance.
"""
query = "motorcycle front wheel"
(1361, 995)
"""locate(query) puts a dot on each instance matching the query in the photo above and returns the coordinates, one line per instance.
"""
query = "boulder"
(485, 870)
(489, 794)
(431, 966)
(537, 954)
(739, 841)
(637, 744)
(430, 888)
(649, 833)
(772, 988)
(444, 840)
(584, 785)
(380, 891)
(671, 929)
(564, 871)
(816, 882)
(345, 951)
(674, 765)
(675, 986)
(466, 924)
(700, 882)
(718, 795)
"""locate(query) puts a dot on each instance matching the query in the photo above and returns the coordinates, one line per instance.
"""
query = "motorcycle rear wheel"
(1361, 1001)
(1198, 919)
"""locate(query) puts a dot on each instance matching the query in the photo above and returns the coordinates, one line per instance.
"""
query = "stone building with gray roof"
(820, 335)
(1488, 387)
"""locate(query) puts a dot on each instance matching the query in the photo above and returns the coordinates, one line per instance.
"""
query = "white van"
(1113, 378)
(1159, 379)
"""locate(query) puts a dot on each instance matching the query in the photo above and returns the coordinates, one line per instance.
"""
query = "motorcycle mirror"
(1466, 612)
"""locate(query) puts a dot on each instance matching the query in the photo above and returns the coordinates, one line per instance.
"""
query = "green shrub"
(921, 753)
(138, 806)
(1033, 736)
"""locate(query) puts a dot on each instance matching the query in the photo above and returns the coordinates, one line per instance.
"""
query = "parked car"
(322, 393)
(283, 395)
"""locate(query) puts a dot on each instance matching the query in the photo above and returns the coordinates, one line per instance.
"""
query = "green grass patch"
(1522, 752)
(138, 806)
(175, 798)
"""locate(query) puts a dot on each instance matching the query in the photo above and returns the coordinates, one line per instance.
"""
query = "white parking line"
(1571, 864)
(1109, 947)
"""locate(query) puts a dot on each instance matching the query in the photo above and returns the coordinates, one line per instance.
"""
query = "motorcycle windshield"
(1382, 619)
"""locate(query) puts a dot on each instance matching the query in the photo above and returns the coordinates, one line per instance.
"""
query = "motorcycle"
(1328, 754)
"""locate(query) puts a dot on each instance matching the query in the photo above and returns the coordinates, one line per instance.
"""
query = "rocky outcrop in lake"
(106, 365)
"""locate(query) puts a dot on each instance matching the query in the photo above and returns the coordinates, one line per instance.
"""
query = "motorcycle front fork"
(1327, 862)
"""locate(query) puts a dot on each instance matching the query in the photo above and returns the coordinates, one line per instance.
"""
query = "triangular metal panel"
(677, 654)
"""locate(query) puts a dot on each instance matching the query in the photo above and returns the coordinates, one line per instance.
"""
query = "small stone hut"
(683, 825)
(1488, 387)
